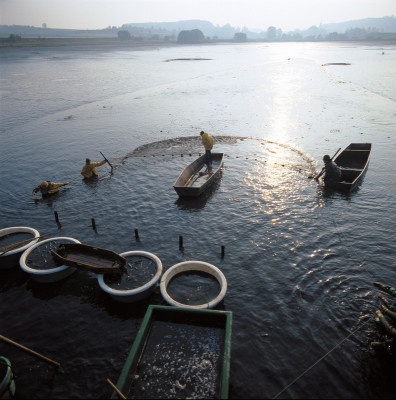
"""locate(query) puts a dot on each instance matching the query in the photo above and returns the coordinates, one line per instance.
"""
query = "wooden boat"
(196, 177)
(353, 161)
(89, 258)
(179, 353)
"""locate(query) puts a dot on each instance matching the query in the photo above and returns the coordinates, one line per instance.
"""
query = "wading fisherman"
(207, 141)
(332, 170)
(48, 188)
(89, 169)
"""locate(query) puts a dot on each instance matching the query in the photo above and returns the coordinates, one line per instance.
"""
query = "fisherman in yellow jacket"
(89, 169)
(47, 188)
(207, 141)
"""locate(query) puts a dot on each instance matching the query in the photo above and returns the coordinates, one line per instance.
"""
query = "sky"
(253, 14)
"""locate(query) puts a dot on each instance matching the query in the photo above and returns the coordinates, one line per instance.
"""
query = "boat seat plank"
(100, 262)
(351, 169)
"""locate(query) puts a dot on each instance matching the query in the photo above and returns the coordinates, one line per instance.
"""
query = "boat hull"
(89, 258)
(353, 162)
(196, 344)
(194, 180)
(11, 258)
(46, 275)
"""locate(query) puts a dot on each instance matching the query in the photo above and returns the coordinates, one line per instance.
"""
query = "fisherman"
(207, 141)
(332, 170)
(89, 169)
(48, 188)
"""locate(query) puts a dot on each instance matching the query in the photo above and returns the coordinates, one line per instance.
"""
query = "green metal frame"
(139, 343)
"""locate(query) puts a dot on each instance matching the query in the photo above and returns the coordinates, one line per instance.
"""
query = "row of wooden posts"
(181, 247)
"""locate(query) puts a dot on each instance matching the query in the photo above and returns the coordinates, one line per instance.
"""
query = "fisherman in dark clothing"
(332, 170)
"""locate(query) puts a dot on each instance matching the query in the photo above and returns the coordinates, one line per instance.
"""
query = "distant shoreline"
(66, 42)
(149, 44)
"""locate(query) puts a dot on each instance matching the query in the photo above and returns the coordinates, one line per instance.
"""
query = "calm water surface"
(299, 261)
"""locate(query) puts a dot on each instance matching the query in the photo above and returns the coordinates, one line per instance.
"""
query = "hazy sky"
(98, 14)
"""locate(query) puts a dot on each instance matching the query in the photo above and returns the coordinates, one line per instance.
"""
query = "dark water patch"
(179, 361)
(12, 278)
(305, 296)
(138, 271)
(193, 288)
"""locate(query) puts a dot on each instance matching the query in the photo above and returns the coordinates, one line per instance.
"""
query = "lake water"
(299, 261)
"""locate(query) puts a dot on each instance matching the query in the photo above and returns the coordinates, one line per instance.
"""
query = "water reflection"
(49, 200)
(276, 179)
(91, 182)
(283, 120)
(327, 195)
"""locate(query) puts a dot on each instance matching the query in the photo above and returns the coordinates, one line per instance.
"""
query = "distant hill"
(204, 26)
(385, 24)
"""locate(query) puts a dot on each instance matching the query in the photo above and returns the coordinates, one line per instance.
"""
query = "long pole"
(56, 364)
(14, 245)
(108, 162)
(116, 389)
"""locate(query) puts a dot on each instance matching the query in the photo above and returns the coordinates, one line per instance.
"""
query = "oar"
(12, 246)
(108, 162)
(56, 364)
(116, 389)
(323, 169)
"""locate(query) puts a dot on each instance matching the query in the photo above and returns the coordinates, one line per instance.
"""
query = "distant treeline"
(194, 31)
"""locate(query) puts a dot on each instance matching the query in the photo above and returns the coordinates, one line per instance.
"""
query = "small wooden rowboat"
(353, 162)
(196, 177)
(89, 258)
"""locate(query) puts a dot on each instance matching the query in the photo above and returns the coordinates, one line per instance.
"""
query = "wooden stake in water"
(56, 216)
(93, 223)
(137, 235)
(180, 242)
